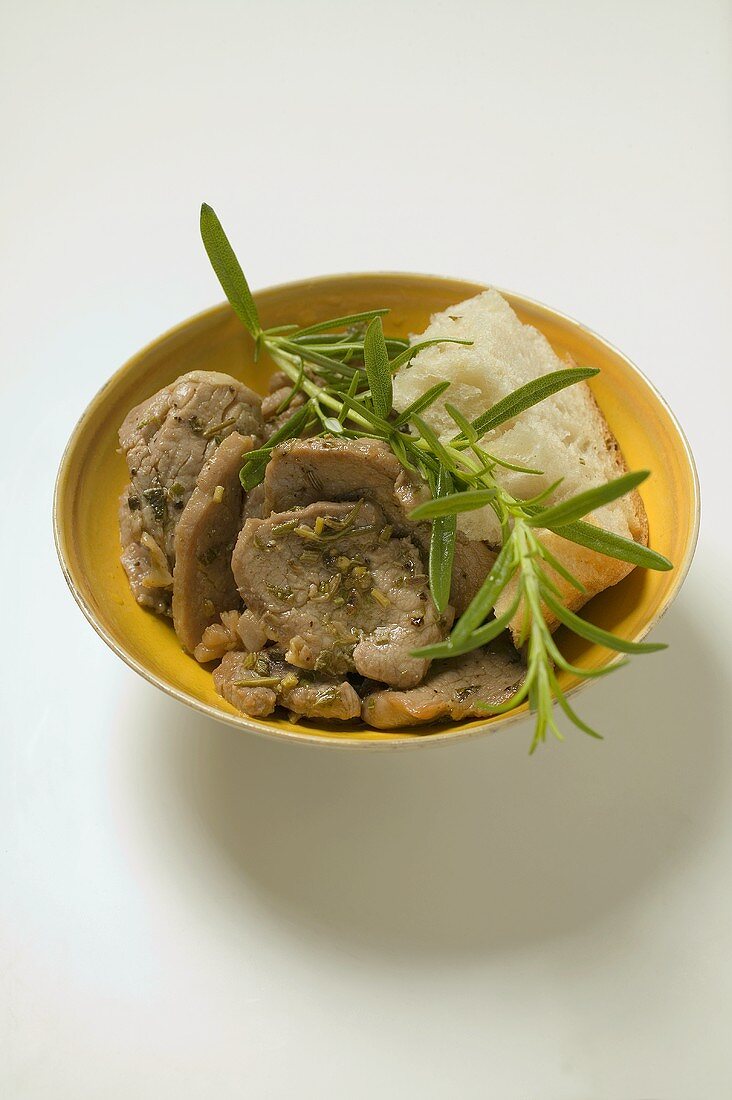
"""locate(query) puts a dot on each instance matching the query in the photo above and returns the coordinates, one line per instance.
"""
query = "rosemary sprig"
(521, 568)
(344, 368)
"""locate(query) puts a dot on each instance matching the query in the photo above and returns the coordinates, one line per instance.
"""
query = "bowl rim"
(415, 738)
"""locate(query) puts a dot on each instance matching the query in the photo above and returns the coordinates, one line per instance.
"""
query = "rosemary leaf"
(569, 511)
(453, 504)
(440, 452)
(421, 403)
(557, 566)
(341, 322)
(543, 495)
(311, 355)
(360, 408)
(287, 399)
(530, 394)
(596, 634)
(613, 546)
(410, 352)
(480, 637)
(376, 361)
(228, 270)
(568, 710)
(466, 428)
(442, 548)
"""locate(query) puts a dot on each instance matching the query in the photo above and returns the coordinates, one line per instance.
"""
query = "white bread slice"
(565, 436)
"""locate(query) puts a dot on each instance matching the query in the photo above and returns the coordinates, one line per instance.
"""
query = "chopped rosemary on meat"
(280, 592)
(258, 681)
(284, 528)
(380, 597)
(344, 368)
(214, 429)
(156, 498)
(327, 529)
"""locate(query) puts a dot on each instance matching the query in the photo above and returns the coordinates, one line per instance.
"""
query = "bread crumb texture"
(565, 436)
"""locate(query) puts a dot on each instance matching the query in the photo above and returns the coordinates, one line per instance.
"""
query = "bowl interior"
(93, 475)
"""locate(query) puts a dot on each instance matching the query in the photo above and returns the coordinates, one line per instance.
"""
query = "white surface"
(192, 913)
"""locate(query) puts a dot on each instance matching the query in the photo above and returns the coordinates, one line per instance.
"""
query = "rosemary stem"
(290, 364)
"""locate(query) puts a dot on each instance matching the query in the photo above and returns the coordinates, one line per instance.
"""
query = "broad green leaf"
(228, 270)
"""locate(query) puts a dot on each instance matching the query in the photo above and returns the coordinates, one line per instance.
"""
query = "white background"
(190, 912)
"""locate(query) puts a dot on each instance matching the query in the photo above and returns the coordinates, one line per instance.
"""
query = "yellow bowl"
(92, 476)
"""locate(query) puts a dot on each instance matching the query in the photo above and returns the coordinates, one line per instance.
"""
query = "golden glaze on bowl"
(93, 474)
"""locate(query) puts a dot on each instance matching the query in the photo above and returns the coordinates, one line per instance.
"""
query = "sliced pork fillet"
(253, 504)
(332, 584)
(166, 440)
(255, 683)
(304, 471)
(203, 583)
(451, 689)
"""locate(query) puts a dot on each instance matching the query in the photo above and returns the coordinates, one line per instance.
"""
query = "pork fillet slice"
(255, 683)
(166, 440)
(203, 583)
(304, 471)
(332, 584)
(451, 689)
